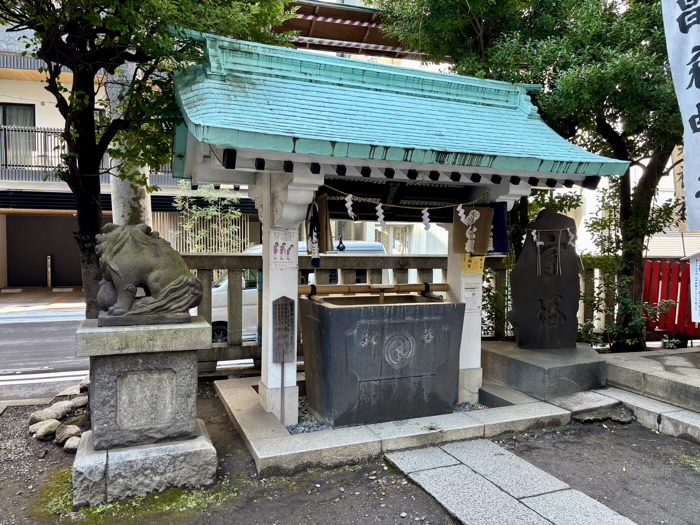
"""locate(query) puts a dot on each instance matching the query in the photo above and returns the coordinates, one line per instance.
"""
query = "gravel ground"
(307, 421)
(25, 464)
(362, 494)
(648, 477)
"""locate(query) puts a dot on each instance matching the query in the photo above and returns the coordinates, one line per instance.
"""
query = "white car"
(219, 313)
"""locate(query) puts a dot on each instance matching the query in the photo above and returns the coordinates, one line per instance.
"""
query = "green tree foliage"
(209, 219)
(96, 39)
(606, 87)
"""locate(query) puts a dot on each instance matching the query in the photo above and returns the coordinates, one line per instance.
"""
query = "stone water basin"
(367, 362)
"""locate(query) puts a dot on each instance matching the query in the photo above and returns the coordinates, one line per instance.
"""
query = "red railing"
(670, 281)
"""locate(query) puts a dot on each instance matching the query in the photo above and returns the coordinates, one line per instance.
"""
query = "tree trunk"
(87, 199)
(518, 219)
(131, 204)
(634, 229)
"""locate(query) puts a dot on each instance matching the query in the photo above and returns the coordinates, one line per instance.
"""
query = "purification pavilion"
(284, 122)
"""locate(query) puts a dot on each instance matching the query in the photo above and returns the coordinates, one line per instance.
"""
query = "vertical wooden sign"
(283, 324)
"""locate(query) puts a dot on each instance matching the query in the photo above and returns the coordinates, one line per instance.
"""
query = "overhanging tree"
(607, 87)
(93, 39)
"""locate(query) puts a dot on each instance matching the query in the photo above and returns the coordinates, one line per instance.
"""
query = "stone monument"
(545, 362)
(143, 374)
(546, 286)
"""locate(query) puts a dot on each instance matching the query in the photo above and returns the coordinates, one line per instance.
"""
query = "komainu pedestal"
(143, 391)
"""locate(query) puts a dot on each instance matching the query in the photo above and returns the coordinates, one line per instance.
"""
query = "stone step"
(495, 395)
(659, 376)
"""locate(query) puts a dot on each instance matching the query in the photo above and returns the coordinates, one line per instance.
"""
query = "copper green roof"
(283, 100)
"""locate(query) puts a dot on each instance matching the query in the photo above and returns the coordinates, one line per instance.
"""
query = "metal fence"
(31, 154)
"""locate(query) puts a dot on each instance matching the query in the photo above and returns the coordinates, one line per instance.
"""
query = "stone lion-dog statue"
(135, 256)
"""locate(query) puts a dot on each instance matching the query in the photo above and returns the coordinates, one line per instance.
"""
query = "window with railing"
(17, 150)
(32, 154)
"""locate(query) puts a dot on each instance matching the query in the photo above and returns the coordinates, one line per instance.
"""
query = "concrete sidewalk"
(41, 305)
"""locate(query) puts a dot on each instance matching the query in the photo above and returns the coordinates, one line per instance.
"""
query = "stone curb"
(274, 450)
(639, 374)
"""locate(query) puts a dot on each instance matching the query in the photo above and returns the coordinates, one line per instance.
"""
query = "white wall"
(32, 92)
(3, 251)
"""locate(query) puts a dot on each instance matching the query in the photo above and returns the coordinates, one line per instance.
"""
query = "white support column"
(282, 201)
(3, 251)
(466, 288)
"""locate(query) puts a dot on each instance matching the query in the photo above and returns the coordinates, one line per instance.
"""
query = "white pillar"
(282, 201)
(3, 251)
(131, 204)
(466, 288)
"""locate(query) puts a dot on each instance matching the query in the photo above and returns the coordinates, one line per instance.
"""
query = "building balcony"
(32, 155)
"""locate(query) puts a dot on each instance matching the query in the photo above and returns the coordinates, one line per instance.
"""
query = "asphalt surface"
(39, 347)
(37, 359)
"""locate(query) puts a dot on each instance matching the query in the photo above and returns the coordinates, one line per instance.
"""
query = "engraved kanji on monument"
(545, 285)
(283, 328)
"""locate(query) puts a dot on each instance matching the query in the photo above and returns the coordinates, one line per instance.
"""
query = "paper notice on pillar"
(284, 248)
(682, 26)
(471, 295)
(695, 288)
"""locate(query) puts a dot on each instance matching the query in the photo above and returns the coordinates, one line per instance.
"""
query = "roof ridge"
(228, 56)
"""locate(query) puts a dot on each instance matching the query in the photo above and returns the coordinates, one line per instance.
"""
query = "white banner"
(682, 26)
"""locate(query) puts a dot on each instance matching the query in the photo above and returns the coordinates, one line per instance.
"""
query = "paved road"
(37, 357)
(39, 347)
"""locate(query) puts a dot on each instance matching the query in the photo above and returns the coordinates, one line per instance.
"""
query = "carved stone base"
(136, 399)
(104, 319)
(103, 476)
(544, 374)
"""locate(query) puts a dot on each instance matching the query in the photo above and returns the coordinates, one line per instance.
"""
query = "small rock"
(33, 429)
(42, 454)
(85, 384)
(403, 514)
(383, 505)
(342, 489)
(55, 411)
(47, 430)
(65, 432)
(71, 444)
(79, 401)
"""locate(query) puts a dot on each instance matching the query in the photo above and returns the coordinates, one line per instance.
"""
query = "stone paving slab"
(517, 418)
(512, 474)
(409, 461)
(418, 432)
(571, 507)
(472, 499)
(584, 402)
(647, 411)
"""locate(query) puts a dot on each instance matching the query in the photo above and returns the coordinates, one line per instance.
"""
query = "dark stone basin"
(367, 362)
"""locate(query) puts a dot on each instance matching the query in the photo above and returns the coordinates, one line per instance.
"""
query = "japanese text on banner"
(682, 27)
